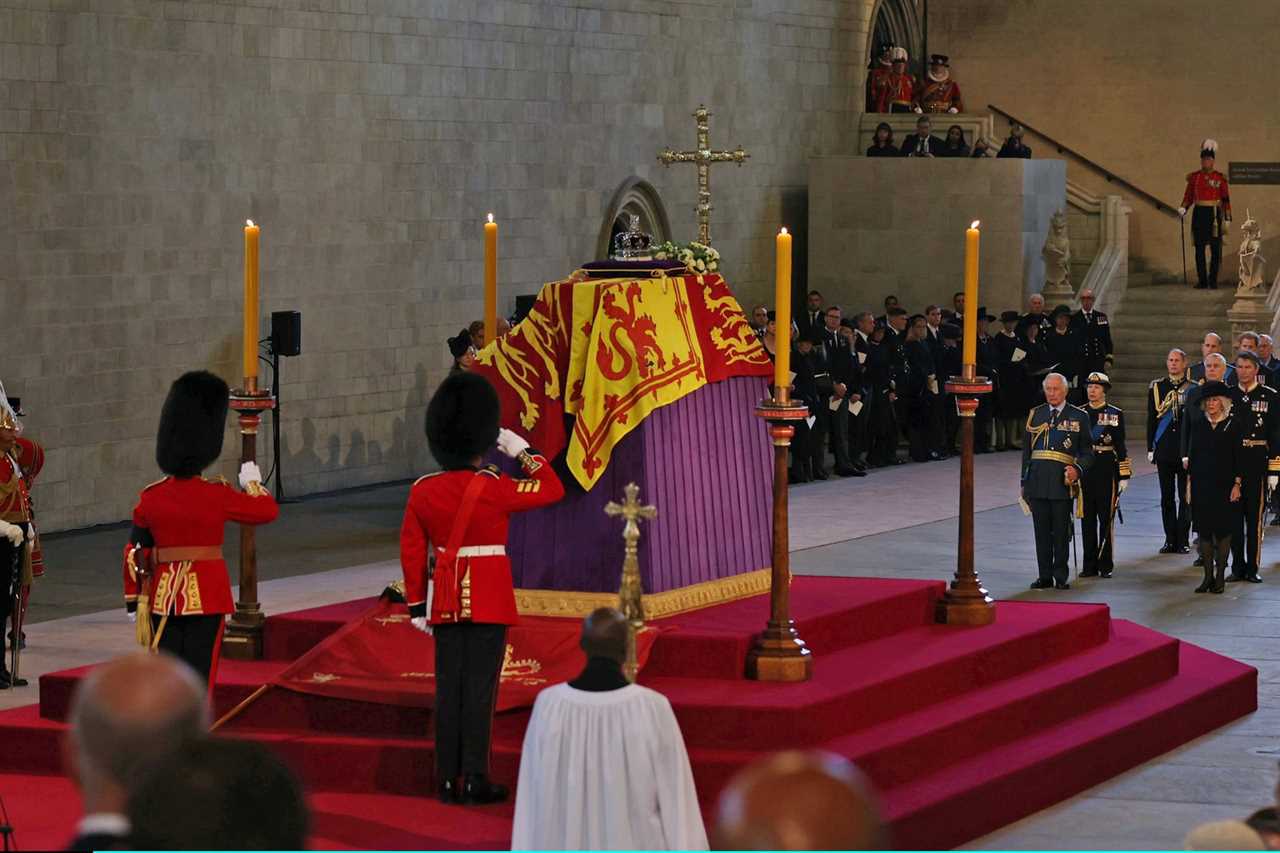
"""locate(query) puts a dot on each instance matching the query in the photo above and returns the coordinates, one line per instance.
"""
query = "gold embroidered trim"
(569, 603)
(1054, 456)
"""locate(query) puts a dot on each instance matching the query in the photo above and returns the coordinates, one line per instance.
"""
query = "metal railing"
(1111, 177)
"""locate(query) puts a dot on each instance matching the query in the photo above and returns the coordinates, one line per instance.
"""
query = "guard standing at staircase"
(1208, 198)
(1165, 422)
(1258, 410)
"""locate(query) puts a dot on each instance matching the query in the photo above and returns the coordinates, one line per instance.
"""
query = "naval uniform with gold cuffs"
(1054, 440)
(1258, 412)
(1100, 486)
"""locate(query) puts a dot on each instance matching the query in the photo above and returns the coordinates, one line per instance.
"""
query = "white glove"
(1186, 462)
(12, 532)
(1182, 211)
(953, 110)
(1124, 484)
(249, 473)
(421, 623)
(917, 110)
(1151, 457)
(1272, 482)
(511, 444)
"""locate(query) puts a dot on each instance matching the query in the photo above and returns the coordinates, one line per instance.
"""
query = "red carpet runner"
(963, 730)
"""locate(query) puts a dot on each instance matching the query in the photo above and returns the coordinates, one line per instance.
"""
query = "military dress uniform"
(1257, 410)
(471, 600)
(1166, 419)
(1208, 198)
(18, 469)
(1101, 487)
(178, 528)
(1054, 441)
(1095, 341)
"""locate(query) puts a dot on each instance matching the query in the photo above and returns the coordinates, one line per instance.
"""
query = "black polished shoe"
(1168, 548)
(1041, 584)
(1184, 549)
(1199, 563)
(479, 790)
(1234, 578)
(1105, 573)
(1253, 579)
(6, 680)
(1089, 573)
(1062, 585)
(819, 475)
(448, 791)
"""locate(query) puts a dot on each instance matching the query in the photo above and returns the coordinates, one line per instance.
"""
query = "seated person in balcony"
(940, 93)
(954, 145)
(981, 148)
(1014, 146)
(883, 144)
(898, 93)
(922, 143)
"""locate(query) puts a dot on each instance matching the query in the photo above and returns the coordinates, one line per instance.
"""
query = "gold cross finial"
(630, 600)
(703, 157)
(631, 510)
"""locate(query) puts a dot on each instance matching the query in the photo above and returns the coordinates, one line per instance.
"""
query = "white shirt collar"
(103, 823)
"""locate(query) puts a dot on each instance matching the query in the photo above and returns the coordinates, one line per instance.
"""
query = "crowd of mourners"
(873, 383)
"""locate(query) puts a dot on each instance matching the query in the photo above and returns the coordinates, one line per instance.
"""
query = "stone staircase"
(1155, 315)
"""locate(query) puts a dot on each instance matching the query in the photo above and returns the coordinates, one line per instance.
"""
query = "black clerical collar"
(600, 675)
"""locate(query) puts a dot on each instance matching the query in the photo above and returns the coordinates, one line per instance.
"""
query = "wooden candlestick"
(243, 637)
(966, 602)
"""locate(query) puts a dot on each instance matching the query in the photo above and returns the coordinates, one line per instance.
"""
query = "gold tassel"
(143, 615)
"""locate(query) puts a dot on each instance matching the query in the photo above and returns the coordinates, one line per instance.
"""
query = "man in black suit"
(846, 386)
(922, 143)
(128, 716)
(810, 320)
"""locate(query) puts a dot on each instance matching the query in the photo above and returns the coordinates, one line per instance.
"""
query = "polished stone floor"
(897, 522)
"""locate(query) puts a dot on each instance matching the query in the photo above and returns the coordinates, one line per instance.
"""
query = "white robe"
(606, 771)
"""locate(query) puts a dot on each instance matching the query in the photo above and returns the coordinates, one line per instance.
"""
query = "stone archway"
(902, 23)
(633, 196)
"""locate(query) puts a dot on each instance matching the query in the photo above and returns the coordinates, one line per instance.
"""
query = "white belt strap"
(480, 550)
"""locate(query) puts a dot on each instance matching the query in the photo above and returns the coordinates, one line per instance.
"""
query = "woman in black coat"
(1216, 469)
(883, 145)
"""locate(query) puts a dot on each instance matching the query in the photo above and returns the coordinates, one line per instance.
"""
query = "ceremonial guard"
(940, 93)
(1216, 465)
(1209, 199)
(1106, 479)
(21, 461)
(898, 92)
(878, 76)
(1257, 408)
(1094, 330)
(181, 604)
(1165, 416)
(1057, 451)
(460, 516)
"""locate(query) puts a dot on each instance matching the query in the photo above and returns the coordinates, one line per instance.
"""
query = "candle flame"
(248, 223)
(783, 231)
(974, 225)
(490, 217)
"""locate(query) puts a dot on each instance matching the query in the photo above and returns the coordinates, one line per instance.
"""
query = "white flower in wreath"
(699, 265)
(713, 266)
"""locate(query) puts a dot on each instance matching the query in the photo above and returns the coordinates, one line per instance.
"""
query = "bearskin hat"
(462, 420)
(192, 424)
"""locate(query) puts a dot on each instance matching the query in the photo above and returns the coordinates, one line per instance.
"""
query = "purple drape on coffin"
(705, 461)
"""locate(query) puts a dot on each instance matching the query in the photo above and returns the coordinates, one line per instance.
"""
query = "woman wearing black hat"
(1064, 345)
(462, 350)
(1216, 468)
(460, 515)
(178, 527)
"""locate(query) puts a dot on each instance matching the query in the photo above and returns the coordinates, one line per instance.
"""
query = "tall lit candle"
(971, 237)
(250, 305)
(782, 309)
(490, 280)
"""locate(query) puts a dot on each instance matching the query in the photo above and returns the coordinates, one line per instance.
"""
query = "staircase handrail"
(1108, 174)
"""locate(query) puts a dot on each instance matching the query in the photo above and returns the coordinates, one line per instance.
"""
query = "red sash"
(446, 595)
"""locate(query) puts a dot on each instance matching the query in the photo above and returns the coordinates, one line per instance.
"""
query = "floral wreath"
(698, 257)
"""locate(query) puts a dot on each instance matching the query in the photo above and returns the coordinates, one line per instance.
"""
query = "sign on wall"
(1253, 173)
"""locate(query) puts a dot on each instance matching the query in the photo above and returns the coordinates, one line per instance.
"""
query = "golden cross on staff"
(629, 594)
(703, 157)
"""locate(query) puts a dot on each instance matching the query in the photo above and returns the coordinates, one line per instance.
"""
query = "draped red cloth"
(379, 657)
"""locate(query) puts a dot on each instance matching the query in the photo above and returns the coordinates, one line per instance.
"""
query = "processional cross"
(703, 157)
(629, 595)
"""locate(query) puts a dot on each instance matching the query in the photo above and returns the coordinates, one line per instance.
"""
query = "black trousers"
(10, 568)
(1203, 226)
(1052, 520)
(1173, 503)
(193, 639)
(883, 430)
(468, 664)
(1246, 541)
(838, 421)
(1096, 528)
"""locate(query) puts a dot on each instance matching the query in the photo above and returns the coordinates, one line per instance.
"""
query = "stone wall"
(896, 225)
(1134, 86)
(368, 138)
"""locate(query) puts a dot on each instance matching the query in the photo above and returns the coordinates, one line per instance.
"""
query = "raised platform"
(962, 730)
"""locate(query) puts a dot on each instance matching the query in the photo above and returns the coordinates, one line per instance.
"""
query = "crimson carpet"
(962, 730)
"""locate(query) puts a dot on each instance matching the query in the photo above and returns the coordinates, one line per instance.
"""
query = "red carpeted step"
(31, 744)
(713, 643)
(236, 680)
(288, 636)
(869, 683)
(1016, 778)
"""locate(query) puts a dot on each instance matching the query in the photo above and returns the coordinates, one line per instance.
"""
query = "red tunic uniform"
(483, 571)
(183, 514)
(1207, 188)
(939, 97)
(18, 470)
(877, 82)
(897, 94)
